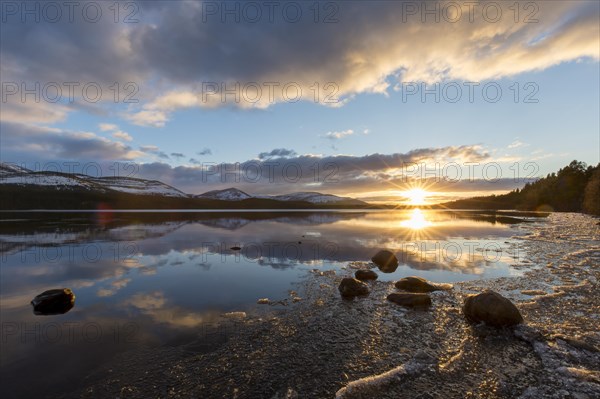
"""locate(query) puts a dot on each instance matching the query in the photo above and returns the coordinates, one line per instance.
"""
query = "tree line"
(574, 188)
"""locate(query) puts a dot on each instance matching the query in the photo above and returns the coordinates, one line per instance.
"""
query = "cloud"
(205, 151)
(114, 287)
(516, 144)
(277, 152)
(336, 174)
(156, 306)
(108, 127)
(177, 155)
(154, 150)
(20, 140)
(339, 135)
(33, 112)
(122, 135)
(171, 57)
(118, 134)
(152, 118)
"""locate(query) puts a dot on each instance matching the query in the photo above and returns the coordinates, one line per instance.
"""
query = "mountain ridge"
(314, 197)
(16, 180)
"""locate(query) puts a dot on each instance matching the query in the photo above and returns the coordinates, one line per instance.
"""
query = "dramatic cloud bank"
(185, 54)
(282, 170)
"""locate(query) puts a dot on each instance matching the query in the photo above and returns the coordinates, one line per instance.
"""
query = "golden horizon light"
(416, 196)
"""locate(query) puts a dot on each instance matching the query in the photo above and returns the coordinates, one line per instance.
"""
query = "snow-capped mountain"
(57, 180)
(15, 175)
(9, 169)
(229, 194)
(139, 186)
(315, 198)
(22, 187)
(233, 194)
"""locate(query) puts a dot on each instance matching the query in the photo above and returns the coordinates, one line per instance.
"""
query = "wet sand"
(325, 346)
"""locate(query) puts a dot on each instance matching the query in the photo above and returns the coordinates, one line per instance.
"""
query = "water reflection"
(417, 220)
(144, 279)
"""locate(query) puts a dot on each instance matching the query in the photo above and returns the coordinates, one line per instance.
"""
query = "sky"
(365, 99)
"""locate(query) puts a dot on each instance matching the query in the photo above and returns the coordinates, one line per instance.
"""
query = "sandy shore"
(324, 346)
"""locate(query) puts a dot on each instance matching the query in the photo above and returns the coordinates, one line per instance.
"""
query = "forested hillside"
(574, 188)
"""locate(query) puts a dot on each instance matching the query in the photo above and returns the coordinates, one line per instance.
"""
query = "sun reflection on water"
(417, 220)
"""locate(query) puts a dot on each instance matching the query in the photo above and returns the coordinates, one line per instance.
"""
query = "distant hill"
(318, 198)
(233, 194)
(22, 188)
(229, 194)
(574, 188)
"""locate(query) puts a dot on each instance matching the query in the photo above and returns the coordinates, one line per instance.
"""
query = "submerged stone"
(52, 302)
(410, 300)
(491, 308)
(386, 261)
(418, 284)
(365, 275)
(351, 287)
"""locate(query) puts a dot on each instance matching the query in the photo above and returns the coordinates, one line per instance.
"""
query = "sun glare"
(416, 196)
(417, 220)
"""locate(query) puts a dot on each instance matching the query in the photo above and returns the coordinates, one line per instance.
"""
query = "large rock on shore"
(418, 284)
(386, 261)
(365, 275)
(52, 302)
(410, 300)
(351, 287)
(491, 308)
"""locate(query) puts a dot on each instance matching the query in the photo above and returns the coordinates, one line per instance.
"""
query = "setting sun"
(416, 196)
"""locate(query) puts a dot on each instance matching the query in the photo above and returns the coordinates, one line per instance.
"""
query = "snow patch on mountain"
(12, 174)
(9, 169)
(233, 194)
(314, 198)
(138, 186)
(47, 179)
(229, 194)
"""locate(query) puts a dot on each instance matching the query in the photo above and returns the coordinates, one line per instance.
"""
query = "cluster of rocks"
(488, 307)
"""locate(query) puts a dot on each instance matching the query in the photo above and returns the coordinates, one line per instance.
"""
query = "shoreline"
(322, 344)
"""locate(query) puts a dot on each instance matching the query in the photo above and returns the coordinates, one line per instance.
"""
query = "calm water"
(143, 280)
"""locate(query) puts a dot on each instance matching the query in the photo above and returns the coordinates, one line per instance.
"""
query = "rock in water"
(491, 308)
(51, 302)
(365, 275)
(386, 261)
(351, 287)
(411, 300)
(418, 284)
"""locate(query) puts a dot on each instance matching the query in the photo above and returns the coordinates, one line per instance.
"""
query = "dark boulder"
(418, 284)
(410, 300)
(235, 248)
(491, 308)
(365, 275)
(351, 287)
(52, 302)
(386, 261)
